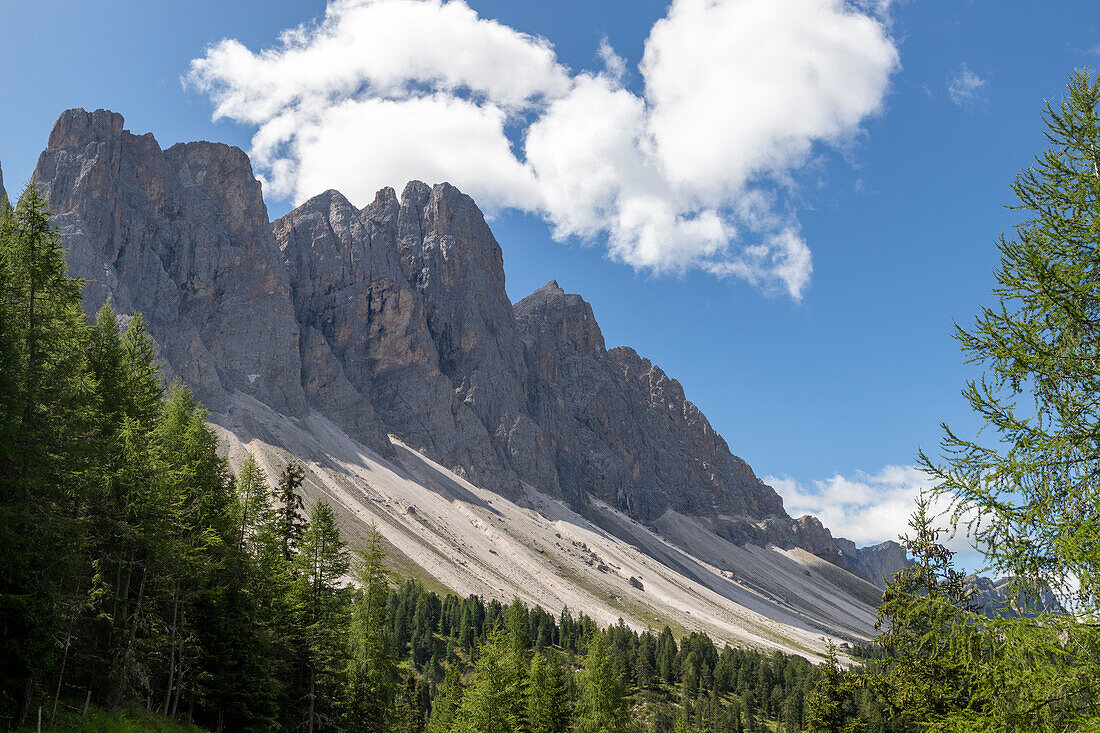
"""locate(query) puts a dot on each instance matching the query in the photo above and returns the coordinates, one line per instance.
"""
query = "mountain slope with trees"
(141, 573)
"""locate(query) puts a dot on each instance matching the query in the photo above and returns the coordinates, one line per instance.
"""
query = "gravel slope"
(456, 536)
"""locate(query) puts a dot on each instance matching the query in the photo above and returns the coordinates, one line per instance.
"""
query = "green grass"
(124, 721)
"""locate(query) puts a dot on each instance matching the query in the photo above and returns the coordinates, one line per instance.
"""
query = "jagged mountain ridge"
(393, 319)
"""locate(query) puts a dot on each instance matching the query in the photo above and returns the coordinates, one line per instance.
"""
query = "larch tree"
(1028, 489)
(321, 564)
(372, 663)
(603, 706)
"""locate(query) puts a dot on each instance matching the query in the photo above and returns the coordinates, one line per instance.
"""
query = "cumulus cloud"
(965, 87)
(690, 171)
(870, 508)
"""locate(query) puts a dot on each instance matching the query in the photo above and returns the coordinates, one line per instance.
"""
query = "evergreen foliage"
(372, 661)
(1028, 496)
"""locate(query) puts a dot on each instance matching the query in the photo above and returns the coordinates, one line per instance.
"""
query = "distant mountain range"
(501, 447)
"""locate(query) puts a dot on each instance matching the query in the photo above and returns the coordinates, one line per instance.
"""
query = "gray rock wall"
(392, 319)
(181, 235)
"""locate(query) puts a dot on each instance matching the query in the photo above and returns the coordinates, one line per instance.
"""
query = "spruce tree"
(518, 659)
(930, 632)
(830, 706)
(47, 423)
(548, 706)
(126, 508)
(447, 702)
(324, 603)
(292, 522)
(186, 578)
(487, 705)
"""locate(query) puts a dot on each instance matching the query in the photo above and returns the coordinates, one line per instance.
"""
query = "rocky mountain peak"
(568, 316)
(224, 174)
(76, 128)
(384, 207)
(181, 235)
(392, 319)
(877, 563)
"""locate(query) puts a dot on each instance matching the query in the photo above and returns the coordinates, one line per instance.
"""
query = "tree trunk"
(64, 661)
(25, 702)
(117, 700)
(312, 696)
(179, 685)
(172, 651)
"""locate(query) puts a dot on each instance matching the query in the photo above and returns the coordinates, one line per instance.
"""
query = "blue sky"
(821, 380)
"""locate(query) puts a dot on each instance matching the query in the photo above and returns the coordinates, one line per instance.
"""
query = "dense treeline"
(140, 572)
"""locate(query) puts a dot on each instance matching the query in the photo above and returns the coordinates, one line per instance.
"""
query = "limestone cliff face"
(623, 430)
(181, 235)
(450, 257)
(393, 319)
(877, 563)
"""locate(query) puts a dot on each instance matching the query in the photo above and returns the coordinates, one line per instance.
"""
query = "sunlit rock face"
(181, 235)
(393, 319)
(877, 563)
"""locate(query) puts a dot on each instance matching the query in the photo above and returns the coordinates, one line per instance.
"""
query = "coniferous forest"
(144, 582)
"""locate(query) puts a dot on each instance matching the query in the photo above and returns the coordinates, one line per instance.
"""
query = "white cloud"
(965, 87)
(692, 172)
(614, 64)
(870, 508)
(742, 88)
(457, 141)
(379, 48)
